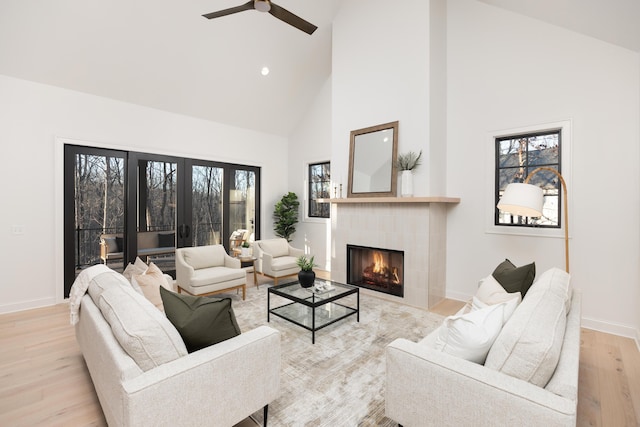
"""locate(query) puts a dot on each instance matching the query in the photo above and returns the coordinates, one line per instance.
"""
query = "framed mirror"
(372, 161)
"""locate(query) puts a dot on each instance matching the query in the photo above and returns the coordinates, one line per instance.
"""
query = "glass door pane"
(157, 210)
(206, 204)
(242, 209)
(94, 206)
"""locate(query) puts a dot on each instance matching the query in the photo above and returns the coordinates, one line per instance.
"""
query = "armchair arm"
(423, 384)
(207, 385)
(103, 250)
(184, 272)
(267, 262)
(231, 262)
(295, 252)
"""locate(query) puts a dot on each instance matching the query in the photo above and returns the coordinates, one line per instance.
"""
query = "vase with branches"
(406, 163)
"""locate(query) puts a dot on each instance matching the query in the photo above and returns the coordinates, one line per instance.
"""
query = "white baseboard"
(611, 328)
(27, 305)
(458, 296)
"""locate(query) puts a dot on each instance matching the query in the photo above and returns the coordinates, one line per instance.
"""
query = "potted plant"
(244, 250)
(306, 276)
(285, 216)
(406, 163)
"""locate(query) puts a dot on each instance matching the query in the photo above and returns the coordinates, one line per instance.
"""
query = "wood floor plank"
(617, 409)
(589, 410)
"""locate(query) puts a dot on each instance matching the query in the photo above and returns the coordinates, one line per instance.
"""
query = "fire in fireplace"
(376, 268)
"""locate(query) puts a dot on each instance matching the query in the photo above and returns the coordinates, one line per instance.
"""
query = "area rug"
(339, 380)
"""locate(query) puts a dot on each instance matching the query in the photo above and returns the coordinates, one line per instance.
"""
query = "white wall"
(381, 74)
(507, 71)
(309, 143)
(33, 115)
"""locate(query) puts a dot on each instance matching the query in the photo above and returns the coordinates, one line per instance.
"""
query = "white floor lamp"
(524, 199)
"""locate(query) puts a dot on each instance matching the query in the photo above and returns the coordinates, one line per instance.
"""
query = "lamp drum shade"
(522, 199)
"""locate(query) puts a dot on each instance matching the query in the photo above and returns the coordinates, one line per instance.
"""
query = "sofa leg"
(244, 292)
(266, 410)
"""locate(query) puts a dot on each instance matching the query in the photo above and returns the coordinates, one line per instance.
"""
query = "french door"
(143, 203)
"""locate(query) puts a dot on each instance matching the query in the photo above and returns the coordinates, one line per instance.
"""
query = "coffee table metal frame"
(305, 302)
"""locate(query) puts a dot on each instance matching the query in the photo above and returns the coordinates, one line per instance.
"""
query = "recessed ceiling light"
(264, 71)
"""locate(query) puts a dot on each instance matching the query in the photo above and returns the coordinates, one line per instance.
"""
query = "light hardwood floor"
(44, 381)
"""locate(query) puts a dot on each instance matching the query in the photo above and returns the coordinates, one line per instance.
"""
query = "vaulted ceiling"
(163, 54)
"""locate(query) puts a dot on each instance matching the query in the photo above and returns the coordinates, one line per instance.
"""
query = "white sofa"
(276, 258)
(208, 270)
(428, 387)
(219, 385)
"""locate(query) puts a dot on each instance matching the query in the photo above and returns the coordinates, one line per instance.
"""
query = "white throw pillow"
(509, 306)
(491, 292)
(470, 336)
(150, 283)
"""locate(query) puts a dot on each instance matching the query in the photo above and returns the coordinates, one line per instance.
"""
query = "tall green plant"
(285, 216)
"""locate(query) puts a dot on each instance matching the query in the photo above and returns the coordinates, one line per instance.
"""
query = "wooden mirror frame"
(385, 156)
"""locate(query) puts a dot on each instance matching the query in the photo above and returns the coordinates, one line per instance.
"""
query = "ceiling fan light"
(262, 5)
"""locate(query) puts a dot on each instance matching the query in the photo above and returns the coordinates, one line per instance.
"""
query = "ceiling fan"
(267, 6)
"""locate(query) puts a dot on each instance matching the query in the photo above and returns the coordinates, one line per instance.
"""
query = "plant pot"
(244, 252)
(406, 184)
(306, 278)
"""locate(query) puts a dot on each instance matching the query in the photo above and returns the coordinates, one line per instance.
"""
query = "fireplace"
(378, 269)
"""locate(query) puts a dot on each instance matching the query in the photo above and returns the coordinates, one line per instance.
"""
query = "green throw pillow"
(515, 279)
(201, 321)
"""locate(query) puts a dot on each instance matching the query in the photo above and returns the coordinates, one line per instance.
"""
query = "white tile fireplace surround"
(415, 225)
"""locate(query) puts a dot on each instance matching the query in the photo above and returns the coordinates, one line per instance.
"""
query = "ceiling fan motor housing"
(262, 5)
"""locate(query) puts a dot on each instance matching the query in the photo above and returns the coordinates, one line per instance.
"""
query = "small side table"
(250, 262)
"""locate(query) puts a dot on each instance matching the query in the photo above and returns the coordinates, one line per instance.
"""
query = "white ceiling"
(164, 54)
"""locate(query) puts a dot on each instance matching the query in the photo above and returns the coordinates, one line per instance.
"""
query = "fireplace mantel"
(355, 200)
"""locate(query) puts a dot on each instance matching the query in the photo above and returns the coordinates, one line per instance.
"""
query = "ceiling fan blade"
(247, 6)
(291, 19)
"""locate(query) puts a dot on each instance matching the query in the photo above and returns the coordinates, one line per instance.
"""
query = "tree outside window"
(516, 157)
(319, 188)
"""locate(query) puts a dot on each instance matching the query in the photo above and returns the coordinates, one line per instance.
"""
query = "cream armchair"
(276, 258)
(208, 270)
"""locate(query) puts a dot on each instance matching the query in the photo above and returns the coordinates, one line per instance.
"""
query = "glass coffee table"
(311, 308)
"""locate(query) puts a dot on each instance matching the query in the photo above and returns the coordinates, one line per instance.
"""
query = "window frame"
(528, 170)
(308, 192)
(565, 128)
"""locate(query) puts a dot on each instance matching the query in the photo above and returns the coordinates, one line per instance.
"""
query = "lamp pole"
(566, 209)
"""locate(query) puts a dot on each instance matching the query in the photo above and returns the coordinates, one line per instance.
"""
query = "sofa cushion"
(470, 336)
(201, 321)
(147, 239)
(515, 279)
(275, 247)
(204, 256)
(529, 345)
(150, 283)
(213, 275)
(284, 263)
(142, 331)
(104, 281)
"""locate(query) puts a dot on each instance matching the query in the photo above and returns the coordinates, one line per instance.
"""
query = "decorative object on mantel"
(285, 216)
(306, 276)
(372, 161)
(526, 199)
(406, 163)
